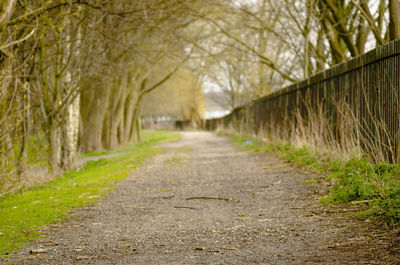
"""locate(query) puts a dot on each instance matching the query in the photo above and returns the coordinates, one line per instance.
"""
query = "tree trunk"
(117, 120)
(394, 19)
(129, 107)
(70, 128)
(70, 133)
(136, 116)
(93, 126)
(320, 56)
(263, 88)
(54, 146)
(138, 131)
(115, 113)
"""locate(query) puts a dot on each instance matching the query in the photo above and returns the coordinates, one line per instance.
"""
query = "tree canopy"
(81, 73)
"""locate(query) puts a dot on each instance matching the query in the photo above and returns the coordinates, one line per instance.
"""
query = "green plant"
(375, 184)
(23, 214)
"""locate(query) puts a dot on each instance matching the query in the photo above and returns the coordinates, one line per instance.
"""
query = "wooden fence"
(367, 88)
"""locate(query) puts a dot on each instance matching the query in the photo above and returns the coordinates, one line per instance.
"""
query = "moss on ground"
(23, 214)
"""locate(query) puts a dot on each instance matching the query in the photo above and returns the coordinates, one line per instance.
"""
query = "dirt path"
(250, 209)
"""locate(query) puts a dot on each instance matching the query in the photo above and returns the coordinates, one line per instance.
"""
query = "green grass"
(148, 137)
(22, 215)
(375, 185)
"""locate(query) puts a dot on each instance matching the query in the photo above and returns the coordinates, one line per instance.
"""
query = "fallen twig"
(185, 207)
(227, 248)
(209, 198)
(363, 201)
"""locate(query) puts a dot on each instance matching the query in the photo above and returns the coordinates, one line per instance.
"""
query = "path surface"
(269, 217)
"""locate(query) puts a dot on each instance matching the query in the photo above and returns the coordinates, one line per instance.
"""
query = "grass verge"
(22, 215)
(356, 180)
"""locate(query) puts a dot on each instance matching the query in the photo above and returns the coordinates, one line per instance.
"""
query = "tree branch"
(49, 7)
(165, 79)
(18, 41)
(264, 60)
(363, 8)
(7, 10)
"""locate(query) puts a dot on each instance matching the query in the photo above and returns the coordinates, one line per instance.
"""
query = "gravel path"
(205, 202)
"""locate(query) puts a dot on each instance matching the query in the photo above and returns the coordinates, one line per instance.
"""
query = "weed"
(355, 179)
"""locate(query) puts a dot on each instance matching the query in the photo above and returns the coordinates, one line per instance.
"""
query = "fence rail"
(368, 86)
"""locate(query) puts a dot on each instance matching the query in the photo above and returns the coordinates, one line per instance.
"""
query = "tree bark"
(129, 109)
(136, 116)
(117, 120)
(320, 56)
(116, 111)
(54, 146)
(93, 126)
(138, 130)
(394, 19)
(70, 128)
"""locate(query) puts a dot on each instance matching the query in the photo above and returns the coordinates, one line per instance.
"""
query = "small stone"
(37, 251)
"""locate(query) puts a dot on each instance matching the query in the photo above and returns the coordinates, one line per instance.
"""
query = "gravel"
(242, 209)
